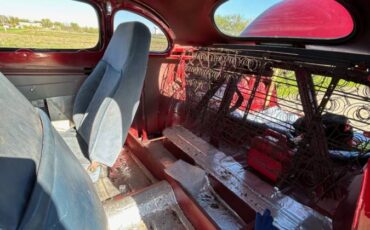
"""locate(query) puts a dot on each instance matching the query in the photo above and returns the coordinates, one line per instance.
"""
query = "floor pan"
(127, 175)
(155, 207)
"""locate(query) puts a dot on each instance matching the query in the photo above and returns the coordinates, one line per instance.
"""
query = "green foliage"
(90, 30)
(13, 21)
(3, 19)
(58, 25)
(75, 26)
(231, 25)
(286, 83)
(24, 20)
(46, 23)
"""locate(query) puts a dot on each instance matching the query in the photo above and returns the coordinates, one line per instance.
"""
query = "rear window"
(48, 24)
(306, 19)
(159, 42)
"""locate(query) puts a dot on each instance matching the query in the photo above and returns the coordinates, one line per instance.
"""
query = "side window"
(159, 42)
(49, 25)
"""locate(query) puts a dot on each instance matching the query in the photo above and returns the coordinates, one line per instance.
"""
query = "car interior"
(181, 115)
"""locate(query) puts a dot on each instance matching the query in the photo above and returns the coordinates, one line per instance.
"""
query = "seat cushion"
(79, 148)
(63, 196)
(77, 145)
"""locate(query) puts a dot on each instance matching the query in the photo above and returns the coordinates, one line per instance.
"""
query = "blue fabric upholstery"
(43, 185)
(20, 148)
(107, 101)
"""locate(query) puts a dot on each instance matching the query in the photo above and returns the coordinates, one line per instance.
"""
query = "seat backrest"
(42, 184)
(20, 149)
(107, 101)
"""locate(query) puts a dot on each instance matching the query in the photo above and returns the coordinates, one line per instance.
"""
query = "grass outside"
(286, 84)
(47, 39)
(52, 39)
(159, 43)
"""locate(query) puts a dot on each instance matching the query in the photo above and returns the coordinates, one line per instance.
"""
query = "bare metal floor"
(127, 175)
(155, 207)
(134, 199)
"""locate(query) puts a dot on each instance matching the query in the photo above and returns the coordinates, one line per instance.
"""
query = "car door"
(47, 53)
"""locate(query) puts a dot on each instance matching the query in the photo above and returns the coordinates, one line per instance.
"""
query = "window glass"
(48, 24)
(159, 42)
(310, 19)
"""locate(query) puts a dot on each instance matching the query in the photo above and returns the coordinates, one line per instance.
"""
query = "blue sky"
(248, 8)
(67, 11)
(125, 16)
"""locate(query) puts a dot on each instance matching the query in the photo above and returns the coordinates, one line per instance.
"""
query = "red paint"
(25, 60)
(362, 216)
(264, 164)
(269, 154)
(261, 100)
(156, 165)
(322, 19)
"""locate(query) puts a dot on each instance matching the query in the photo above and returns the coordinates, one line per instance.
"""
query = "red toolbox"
(269, 154)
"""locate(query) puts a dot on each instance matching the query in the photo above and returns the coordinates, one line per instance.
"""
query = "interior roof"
(191, 23)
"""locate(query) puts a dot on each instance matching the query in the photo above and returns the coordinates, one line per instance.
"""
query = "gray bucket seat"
(107, 101)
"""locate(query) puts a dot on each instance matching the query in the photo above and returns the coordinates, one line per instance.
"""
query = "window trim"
(291, 40)
(150, 17)
(97, 47)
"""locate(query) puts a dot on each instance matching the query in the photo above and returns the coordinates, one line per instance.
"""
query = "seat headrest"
(128, 39)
